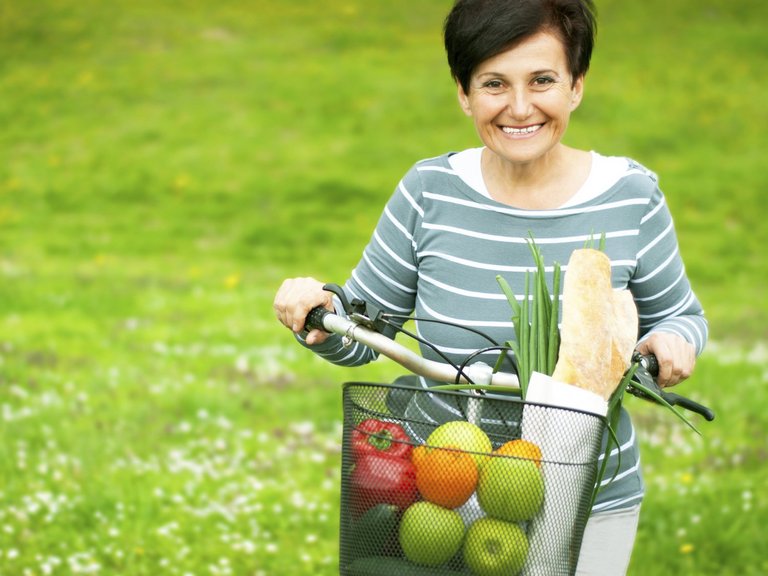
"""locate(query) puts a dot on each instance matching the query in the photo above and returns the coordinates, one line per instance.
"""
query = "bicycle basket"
(501, 487)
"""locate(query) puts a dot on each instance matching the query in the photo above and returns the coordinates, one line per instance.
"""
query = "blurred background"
(164, 165)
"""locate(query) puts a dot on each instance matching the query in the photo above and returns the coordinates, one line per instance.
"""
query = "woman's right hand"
(294, 300)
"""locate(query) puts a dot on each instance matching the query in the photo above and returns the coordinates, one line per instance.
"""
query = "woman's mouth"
(521, 131)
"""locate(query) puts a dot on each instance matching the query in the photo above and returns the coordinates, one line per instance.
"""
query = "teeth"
(528, 130)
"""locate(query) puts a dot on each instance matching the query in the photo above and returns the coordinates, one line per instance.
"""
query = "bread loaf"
(599, 325)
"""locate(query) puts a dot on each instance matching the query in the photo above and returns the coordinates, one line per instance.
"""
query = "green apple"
(495, 548)
(510, 489)
(462, 435)
(430, 534)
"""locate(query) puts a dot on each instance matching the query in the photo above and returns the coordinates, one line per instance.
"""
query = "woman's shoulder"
(635, 168)
(623, 167)
(625, 173)
(439, 163)
(421, 176)
(429, 172)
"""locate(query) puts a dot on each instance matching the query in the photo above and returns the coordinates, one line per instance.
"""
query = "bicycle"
(523, 512)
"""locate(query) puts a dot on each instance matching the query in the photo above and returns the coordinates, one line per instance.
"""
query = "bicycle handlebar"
(651, 366)
(478, 373)
(316, 318)
(355, 330)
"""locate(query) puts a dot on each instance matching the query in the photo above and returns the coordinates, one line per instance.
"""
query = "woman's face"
(521, 99)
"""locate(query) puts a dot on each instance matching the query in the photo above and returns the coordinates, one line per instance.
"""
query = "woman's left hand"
(676, 356)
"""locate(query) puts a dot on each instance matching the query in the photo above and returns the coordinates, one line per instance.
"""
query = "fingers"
(293, 301)
(315, 337)
(675, 355)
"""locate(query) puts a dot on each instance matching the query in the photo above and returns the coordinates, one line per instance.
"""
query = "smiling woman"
(521, 101)
(458, 220)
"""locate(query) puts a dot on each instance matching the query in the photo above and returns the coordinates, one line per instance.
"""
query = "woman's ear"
(577, 92)
(463, 100)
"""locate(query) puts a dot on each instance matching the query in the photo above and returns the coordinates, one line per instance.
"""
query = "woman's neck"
(547, 183)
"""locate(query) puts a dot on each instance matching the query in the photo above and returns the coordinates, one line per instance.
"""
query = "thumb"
(315, 337)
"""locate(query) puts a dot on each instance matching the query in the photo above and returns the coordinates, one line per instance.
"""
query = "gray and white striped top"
(440, 243)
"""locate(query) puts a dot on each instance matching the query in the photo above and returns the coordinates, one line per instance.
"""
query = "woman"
(458, 220)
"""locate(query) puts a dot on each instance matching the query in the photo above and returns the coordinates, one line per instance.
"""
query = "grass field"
(166, 164)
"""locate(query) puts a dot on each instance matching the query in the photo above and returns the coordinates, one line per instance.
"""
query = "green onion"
(535, 320)
(543, 310)
(507, 289)
(525, 344)
(554, 332)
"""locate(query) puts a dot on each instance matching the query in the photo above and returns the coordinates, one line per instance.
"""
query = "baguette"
(599, 326)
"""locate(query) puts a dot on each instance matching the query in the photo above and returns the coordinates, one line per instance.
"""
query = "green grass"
(165, 165)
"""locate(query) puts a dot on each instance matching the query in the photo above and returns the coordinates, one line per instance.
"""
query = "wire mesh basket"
(447, 482)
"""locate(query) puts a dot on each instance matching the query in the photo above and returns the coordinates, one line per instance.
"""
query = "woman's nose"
(519, 103)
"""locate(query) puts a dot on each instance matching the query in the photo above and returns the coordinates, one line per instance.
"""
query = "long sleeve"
(386, 275)
(661, 288)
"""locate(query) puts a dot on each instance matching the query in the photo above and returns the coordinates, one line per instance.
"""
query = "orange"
(445, 476)
(521, 449)
(418, 453)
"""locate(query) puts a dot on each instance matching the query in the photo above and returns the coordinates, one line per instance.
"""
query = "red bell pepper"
(374, 436)
(382, 479)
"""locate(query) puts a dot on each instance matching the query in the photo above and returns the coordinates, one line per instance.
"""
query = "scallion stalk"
(535, 319)
(525, 330)
(554, 332)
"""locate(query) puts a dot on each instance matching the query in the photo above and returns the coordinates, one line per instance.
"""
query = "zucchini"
(374, 533)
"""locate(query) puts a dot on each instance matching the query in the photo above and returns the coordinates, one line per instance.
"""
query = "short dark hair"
(476, 30)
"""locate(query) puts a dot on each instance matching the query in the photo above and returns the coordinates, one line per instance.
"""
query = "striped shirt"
(441, 242)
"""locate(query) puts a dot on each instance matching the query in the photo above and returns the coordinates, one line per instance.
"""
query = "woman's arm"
(385, 277)
(672, 322)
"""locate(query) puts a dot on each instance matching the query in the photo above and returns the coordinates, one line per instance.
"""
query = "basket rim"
(462, 393)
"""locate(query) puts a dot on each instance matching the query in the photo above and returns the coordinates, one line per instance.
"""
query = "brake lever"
(358, 310)
(645, 373)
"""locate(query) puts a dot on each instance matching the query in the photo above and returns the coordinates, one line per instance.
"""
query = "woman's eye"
(542, 81)
(493, 86)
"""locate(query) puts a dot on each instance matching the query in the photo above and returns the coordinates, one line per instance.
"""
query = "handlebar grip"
(688, 404)
(315, 318)
(650, 363)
